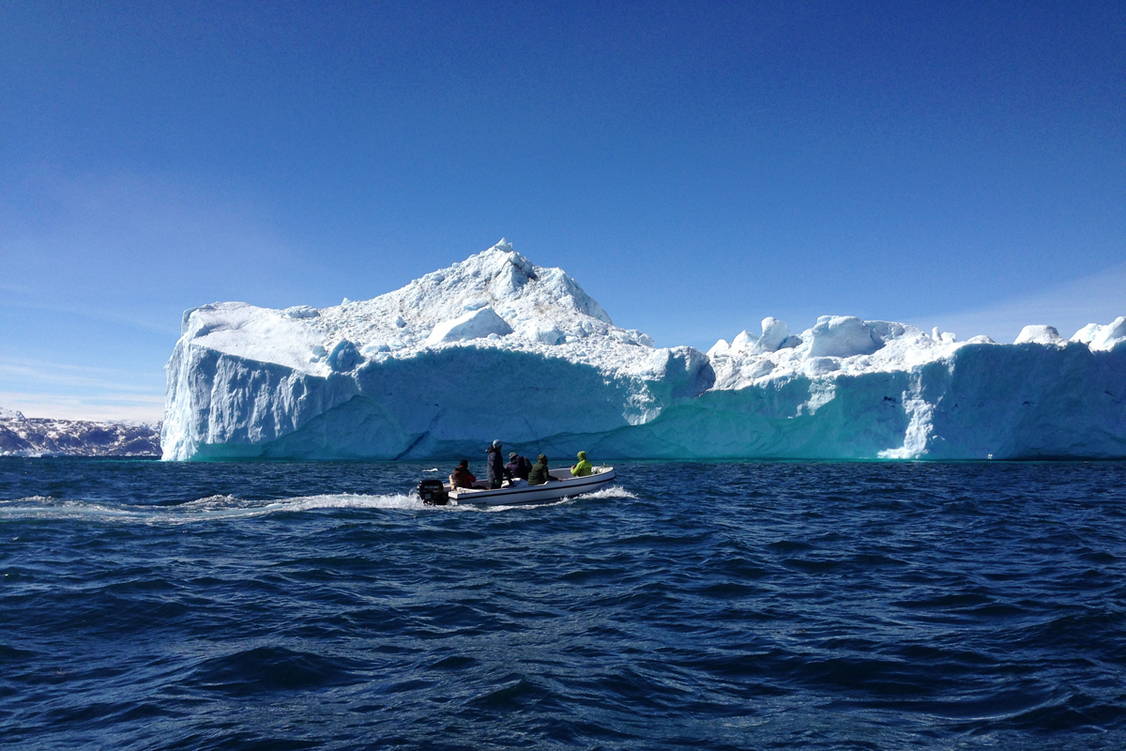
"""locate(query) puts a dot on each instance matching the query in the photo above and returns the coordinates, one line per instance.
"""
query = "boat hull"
(565, 486)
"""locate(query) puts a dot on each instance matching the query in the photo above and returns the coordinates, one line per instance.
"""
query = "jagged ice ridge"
(495, 346)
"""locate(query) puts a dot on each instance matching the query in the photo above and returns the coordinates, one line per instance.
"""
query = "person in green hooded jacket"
(539, 474)
(583, 468)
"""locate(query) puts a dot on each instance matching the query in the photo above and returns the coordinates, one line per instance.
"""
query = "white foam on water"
(614, 491)
(515, 506)
(228, 507)
(211, 508)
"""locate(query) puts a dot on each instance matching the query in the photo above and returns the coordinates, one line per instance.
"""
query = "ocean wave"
(278, 605)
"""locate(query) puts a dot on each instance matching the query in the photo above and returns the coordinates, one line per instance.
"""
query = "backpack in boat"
(433, 493)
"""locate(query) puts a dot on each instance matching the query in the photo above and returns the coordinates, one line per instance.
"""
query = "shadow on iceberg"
(436, 403)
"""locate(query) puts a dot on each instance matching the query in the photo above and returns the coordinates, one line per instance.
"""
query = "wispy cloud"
(122, 406)
(12, 289)
(79, 376)
(1095, 298)
(95, 314)
(80, 392)
(118, 255)
(123, 240)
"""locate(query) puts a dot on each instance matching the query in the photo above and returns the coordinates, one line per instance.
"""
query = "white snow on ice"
(497, 346)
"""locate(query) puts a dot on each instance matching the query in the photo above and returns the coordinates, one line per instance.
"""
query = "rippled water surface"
(146, 605)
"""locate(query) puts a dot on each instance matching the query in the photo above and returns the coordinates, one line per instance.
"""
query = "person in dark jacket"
(497, 471)
(518, 466)
(539, 474)
(461, 477)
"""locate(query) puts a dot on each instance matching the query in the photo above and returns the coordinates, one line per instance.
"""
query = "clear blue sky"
(695, 166)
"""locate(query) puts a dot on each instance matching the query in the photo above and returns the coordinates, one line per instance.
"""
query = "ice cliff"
(496, 347)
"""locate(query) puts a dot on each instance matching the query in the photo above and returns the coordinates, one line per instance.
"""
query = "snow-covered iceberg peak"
(496, 346)
(775, 336)
(250, 381)
(1039, 334)
(497, 291)
(1102, 338)
(843, 336)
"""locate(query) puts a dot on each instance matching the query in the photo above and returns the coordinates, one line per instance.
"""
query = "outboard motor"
(433, 493)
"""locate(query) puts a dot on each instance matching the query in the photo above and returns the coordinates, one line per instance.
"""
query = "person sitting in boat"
(582, 468)
(518, 466)
(461, 477)
(539, 474)
(498, 473)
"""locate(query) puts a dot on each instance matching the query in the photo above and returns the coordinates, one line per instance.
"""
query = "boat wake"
(614, 491)
(231, 508)
(211, 508)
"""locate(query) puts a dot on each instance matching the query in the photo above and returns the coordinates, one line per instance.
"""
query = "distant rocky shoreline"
(40, 436)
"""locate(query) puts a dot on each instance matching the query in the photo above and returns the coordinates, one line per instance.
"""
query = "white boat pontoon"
(563, 485)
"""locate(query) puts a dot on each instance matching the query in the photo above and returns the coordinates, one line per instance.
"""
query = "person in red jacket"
(461, 477)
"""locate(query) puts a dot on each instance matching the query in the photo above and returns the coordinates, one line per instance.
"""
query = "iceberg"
(495, 346)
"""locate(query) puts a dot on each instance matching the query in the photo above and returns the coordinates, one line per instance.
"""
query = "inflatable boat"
(562, 485)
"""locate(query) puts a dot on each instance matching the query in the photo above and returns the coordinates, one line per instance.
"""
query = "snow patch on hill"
(36, 436)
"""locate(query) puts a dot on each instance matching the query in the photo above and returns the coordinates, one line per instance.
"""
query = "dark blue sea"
(149, 605)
